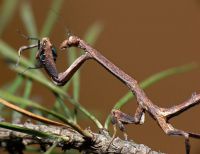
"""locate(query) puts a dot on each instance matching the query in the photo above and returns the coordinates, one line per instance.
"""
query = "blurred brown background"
(142, 38)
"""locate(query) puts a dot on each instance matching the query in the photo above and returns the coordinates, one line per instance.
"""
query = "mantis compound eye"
(42, 56)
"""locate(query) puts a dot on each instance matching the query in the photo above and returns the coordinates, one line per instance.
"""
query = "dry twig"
(70, 140)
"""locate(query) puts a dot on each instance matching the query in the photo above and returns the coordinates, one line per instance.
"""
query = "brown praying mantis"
(46, 56)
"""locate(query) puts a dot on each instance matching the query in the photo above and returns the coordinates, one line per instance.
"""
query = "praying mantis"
(46, 57)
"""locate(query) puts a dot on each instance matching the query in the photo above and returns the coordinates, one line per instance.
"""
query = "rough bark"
(71, 139)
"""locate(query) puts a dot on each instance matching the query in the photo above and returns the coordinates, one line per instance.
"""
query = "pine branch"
(68, 138)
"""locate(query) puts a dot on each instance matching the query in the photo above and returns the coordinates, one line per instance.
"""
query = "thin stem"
(45, 120)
